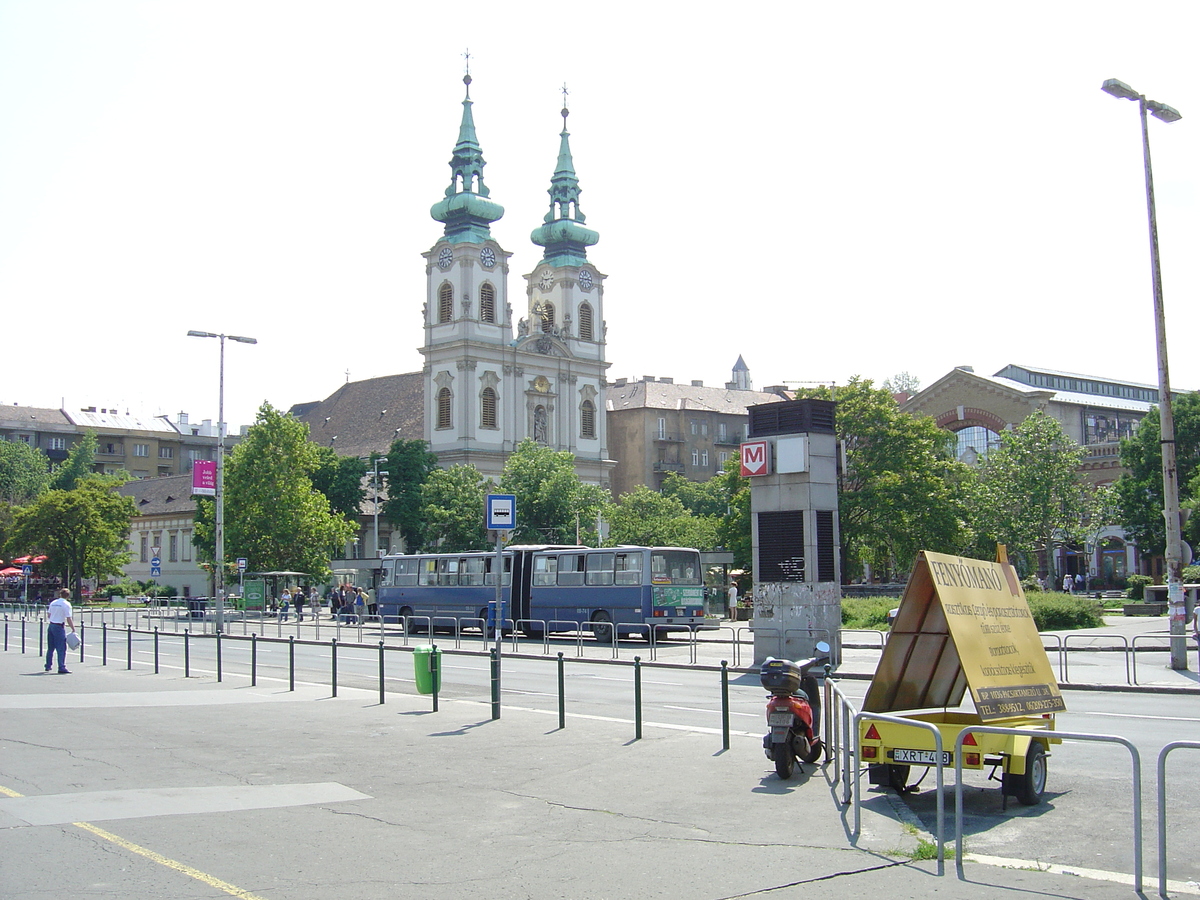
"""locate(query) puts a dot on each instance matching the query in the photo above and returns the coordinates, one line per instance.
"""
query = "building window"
(974, 443)
(704, 457)
(166, 452)
(187, 546)
(587, 419)
(662, 428)
(173, 547)
(144, 554)
(487, 409)
(723, 457)
(141, 449)
(547, 317)
(58, 443)
(586, 330)
(695, 426)
(445, 303)
(695, 457)
(487, 303)
(443, 408)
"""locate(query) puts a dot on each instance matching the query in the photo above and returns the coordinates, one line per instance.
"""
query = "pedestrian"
(360, 606)
(1068, 584)
(733, 598)
(298, 602)
(1079, 582)
(285, 601)
(1196, 623)
(59, 614)
(314, 600)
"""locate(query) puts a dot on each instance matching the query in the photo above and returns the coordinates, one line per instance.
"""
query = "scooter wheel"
(815, 749)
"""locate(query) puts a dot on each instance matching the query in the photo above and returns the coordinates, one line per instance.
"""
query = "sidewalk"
(146, 784)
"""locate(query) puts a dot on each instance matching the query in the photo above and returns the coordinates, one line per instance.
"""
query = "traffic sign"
(242, 563)
(501, 512)
(155, 562)
(26, 570)
(155, 571)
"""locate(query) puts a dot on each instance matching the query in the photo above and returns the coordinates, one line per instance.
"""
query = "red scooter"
(793, 711)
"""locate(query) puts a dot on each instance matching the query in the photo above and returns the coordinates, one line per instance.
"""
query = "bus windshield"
(675, 567)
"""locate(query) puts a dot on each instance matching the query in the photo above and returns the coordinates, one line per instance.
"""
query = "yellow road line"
(212, 881)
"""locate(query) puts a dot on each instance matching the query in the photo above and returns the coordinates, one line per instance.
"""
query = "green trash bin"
(422, 668)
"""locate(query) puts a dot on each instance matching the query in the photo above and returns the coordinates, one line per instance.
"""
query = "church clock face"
(487, 256)
(547, 281)
(445, 258)
(585, 279)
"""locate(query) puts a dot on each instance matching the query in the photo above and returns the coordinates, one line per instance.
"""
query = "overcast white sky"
(828, 189)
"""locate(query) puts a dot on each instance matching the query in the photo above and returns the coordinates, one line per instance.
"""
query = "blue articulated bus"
(636, 590)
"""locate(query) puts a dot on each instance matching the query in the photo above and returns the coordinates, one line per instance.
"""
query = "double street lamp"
(219, 495)
(1174, 548)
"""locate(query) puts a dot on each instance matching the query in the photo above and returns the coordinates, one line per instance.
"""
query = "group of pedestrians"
(350, 604)
(295, 597)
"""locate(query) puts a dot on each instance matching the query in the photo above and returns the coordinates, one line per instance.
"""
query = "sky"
(826, 189)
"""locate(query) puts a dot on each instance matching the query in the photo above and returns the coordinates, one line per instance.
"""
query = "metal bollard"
(562, 694)
(218, 656)
(291, 662)
(637, 698)
(724, 704)
(82, 642)
(187, 653)
(495, 683)
(22, 635)
(103, 643)
(6, 634)
(333, 662)
(433, 674)
(155, 649)
(381, 697)
(253, 659)
(42, 637)
(128, 647)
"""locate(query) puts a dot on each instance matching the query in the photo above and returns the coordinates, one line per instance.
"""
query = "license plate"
(783, 719)
(920, 757)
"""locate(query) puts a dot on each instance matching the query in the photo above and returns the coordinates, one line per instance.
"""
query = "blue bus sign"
(501, 512)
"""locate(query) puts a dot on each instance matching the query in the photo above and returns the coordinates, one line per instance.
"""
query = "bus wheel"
(406, 615)
(488, 631)
(602, 627)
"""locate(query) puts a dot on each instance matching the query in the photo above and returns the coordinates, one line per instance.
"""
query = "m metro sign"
(754, 458)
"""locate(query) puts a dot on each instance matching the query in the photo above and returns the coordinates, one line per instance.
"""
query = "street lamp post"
(375, 484)
(1174, 548)
(219, 495)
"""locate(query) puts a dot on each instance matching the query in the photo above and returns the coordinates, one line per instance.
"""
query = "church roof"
(668, 395)
(169, 495)
(366, 416)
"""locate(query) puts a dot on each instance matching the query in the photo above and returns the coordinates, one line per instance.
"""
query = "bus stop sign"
(501, 512)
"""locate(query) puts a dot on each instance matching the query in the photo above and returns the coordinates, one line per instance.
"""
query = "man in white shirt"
(59, 614)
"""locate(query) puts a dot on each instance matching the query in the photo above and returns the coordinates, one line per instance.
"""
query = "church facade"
(490, 383)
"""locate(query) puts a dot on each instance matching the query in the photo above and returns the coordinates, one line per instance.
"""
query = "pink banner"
(204, 477)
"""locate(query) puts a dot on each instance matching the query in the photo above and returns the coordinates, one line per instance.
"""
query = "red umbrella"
(30, 560)
(11, 570)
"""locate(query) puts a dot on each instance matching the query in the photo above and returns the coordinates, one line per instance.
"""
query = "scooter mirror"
(822, 647)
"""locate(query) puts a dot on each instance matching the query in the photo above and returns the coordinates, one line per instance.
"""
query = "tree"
(552, 503)
(1140, 491)
(644, 516)
(273, 515)
(452, 502)
(24, 472)
(84, 532)
(80, 461)
(734, 527)
(340, 479)
(700, 498)
(902, 383)
(1027, 492)
(901, 489)
(409, 466)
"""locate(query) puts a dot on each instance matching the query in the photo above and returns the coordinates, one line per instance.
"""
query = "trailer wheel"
(898, 778)
(1029, 787)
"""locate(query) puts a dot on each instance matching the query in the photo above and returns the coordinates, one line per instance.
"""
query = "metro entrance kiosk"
(501, 517)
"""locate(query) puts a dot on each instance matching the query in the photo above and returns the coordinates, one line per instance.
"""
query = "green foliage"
(452, 509)
(80, 462)
(409, 466)
(867, 612)
(340, 478)
(1027, 492)
(1140, 491)
(1191, 575)
(273, 515)
(1053, 611)
(24, 472)
(83, 532)
(700, 498)
(733, 528)
(126, 587)
(1137, 586)
(901, 490)
(552, 503)
(646, 517)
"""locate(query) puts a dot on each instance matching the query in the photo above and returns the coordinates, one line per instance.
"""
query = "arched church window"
(487, 303)
(443, 408)
(445, 303)
(547, 317)
(974, 443)
(587, 419)
(586, 330)
(487, 408)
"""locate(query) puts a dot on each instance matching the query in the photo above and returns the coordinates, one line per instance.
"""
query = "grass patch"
(867, 612)
(1052, 611)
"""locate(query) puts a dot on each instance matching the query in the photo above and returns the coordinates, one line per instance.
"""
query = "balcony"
(670, 437)
(732, 438)
(666, 465)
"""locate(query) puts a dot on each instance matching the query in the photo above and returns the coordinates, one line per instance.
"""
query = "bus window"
(428, 571)
(489, 569)
(389, 573)
(471, 571)
(544, 569)
(629, 568)
(570, 569)
(447, 571)
(675, 567)
(406, 571)
(600, 568)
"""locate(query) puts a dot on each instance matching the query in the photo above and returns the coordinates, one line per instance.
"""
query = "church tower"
(485, 391)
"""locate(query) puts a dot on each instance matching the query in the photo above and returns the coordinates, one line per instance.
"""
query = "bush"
(1053, 611)
(1137, 586)
(867, 612)
(1191, 574)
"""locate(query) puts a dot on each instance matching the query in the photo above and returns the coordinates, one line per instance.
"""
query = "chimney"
(697, 384)
(183, 418)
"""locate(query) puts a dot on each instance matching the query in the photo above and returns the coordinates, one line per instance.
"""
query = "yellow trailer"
(963, 624)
